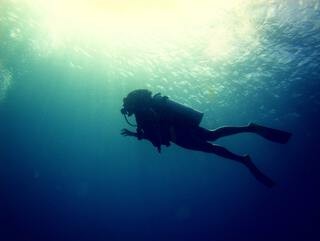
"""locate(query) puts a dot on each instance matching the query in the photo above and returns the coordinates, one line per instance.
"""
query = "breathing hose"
(125, 117)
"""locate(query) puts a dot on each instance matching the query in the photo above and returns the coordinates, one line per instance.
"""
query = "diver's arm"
(140, 135)
(154, 135)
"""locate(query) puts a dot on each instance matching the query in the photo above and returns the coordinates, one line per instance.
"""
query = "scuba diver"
(161, 121)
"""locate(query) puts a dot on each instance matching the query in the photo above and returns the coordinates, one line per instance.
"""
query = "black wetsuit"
(161, 124)
(151, 127)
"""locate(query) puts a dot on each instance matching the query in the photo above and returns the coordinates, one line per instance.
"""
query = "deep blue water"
(66, 173)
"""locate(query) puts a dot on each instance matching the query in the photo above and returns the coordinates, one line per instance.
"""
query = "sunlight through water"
(221, 26)
(208, 50)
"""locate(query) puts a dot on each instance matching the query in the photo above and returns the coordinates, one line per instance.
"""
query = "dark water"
(67, 174)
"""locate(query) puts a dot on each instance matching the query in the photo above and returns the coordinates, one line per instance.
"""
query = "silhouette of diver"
(161, 121)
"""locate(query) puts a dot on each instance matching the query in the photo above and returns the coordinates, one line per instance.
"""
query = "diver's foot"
(257, 173)
(270, 134)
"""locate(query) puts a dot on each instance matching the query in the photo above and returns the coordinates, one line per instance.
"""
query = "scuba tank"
(167, 110)
(176, 113)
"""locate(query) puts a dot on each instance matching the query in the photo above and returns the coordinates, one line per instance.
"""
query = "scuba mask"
(135, 101)
(128, 107)
(126, 111)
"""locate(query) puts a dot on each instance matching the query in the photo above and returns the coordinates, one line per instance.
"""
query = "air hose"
(125, 117)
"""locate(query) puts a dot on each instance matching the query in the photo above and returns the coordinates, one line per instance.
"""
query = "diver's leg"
(212, 148)
(191, 140)
(223, 152)
(268, 133)
(211, 135)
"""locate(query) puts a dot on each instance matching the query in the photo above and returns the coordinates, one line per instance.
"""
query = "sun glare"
(107, 22)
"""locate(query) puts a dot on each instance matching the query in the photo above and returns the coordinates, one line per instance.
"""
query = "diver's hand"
(126, 132)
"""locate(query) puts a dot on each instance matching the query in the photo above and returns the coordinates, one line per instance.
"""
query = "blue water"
(66, 173)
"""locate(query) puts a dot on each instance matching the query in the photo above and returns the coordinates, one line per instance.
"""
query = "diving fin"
(258, 174)
(271, 134)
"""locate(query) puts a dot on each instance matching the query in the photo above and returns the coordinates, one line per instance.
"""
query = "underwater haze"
(66, 173)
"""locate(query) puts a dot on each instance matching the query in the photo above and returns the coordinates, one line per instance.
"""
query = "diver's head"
(135, 101)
